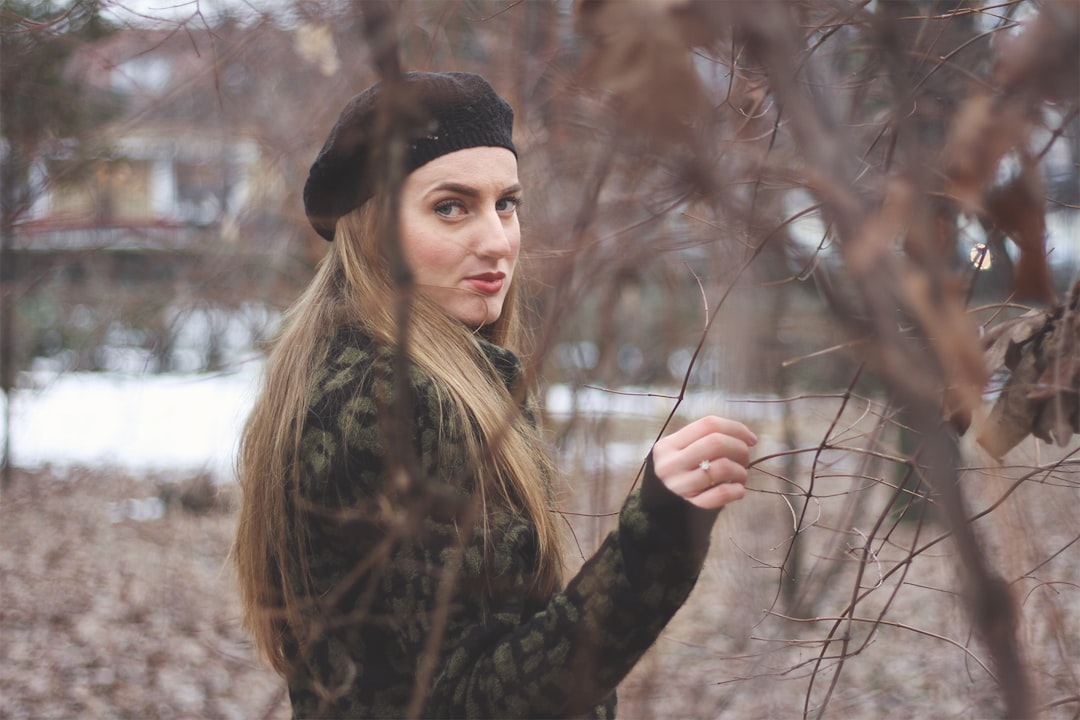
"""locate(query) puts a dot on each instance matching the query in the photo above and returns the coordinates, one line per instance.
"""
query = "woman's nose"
(496, 236)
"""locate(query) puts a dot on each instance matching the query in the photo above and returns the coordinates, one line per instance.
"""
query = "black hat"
(447, 112)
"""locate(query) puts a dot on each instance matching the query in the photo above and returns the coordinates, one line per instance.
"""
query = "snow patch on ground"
(143, 423)
(190, 423)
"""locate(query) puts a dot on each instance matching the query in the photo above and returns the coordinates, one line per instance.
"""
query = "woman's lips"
(487, 283)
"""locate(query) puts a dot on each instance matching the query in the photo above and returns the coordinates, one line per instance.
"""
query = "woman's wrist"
(670, 519)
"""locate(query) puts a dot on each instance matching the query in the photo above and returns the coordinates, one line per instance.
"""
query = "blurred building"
(179, 207)
(160, 177)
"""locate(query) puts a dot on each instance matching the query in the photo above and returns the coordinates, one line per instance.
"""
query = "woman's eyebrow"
(470, 191)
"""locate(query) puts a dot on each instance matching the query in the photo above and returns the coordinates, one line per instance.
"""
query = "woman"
(397, 550)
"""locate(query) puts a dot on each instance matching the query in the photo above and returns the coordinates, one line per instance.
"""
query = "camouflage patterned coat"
(401, 574)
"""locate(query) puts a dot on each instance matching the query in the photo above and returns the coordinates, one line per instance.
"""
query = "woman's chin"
(483, 311)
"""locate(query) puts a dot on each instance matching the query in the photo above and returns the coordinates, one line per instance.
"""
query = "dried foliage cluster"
(896, 119)
(922, 142)
(1041, 351)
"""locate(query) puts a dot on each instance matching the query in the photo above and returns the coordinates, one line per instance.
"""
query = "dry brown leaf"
(982, 131)
(1057, 422)
(1042, 395)
(1018, 209)
(879, 235)
(938, 306)
(998, 340)
(1011, 419)
(1040, 61)
(1035, 64)
(954, 339)
(642, 57)
(1059, 383)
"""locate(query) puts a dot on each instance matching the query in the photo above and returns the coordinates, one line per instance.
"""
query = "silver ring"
(704, 465)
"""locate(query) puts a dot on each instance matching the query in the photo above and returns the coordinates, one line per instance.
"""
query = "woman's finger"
(718, 496)
(704, 476)
(705, 455)
(670, 462)
(705, 426)
(715, 446)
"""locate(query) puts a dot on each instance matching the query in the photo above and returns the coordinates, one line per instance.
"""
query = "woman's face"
(460, 232)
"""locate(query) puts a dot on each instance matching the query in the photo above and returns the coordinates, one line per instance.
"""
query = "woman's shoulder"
(351, 347)
(355, 412)
(346, 365)
(355, 364)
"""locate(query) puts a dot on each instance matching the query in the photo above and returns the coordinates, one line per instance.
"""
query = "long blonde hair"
(353, 287)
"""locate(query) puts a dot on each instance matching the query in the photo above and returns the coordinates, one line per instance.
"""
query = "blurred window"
(200, 191)
(110, 192)
(142, 75)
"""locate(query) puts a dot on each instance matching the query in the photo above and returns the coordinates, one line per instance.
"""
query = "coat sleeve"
(570, 654)
(408, 585)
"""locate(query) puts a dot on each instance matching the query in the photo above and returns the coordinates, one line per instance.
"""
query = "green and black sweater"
(401, 574)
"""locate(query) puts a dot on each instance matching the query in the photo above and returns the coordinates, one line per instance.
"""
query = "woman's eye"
(508, 204)
(450, 208)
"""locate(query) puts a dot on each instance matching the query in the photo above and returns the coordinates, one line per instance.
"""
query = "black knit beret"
(446, 112)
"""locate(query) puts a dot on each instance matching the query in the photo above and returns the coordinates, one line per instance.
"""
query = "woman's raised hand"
(705, 462)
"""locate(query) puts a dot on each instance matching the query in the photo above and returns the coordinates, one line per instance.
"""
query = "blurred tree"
(41, 104)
